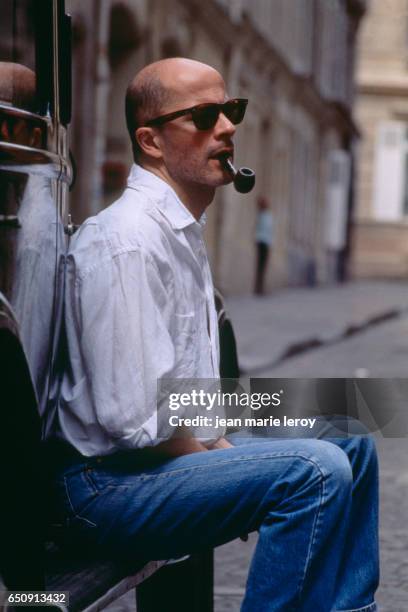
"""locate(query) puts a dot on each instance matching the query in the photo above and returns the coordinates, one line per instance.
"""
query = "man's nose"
(224, 126)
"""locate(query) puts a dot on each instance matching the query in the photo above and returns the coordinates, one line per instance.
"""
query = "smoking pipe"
(244, 178)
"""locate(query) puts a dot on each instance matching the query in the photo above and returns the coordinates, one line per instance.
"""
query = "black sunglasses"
(205, 116)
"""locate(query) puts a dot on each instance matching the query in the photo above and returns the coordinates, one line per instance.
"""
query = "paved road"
(381, 351)
(266, 326)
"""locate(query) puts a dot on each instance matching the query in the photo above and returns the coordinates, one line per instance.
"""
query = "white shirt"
(139, 305)
(264, 227)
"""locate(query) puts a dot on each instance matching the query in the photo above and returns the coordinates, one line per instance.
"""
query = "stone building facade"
(294, 60)
(380, 238)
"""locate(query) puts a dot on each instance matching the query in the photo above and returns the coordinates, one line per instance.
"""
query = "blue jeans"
(314, 503)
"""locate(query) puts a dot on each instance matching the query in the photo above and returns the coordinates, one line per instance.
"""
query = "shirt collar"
(165, 198)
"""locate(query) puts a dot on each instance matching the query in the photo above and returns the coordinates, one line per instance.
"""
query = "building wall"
(381, 217)
(293, 59)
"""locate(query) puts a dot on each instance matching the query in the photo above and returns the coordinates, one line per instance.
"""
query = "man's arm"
(121, 312)
(123, 317)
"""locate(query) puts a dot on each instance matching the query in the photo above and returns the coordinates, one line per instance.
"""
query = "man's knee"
(333, 464)
(319, 465)
(362, 454)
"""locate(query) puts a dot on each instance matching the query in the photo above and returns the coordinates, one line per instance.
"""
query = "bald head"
(158, 87)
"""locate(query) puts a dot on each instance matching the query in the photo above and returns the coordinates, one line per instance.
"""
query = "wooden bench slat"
(90, 580)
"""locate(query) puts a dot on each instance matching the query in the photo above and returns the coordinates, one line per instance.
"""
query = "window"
(405, 192)
(26, 54)
(390, 184)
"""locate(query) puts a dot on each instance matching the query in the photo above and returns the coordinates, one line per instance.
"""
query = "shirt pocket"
(185, 343)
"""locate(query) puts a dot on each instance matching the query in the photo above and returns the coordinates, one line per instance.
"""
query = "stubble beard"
(202, 174)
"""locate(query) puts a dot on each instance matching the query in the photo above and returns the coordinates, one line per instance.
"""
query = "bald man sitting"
(139, 307)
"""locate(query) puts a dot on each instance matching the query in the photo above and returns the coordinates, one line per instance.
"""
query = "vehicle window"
(23, 50)
(17, 54)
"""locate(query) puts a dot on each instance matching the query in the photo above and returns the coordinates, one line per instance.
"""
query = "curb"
(314, 342)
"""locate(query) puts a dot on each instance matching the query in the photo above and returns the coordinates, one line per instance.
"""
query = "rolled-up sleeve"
(120, 308)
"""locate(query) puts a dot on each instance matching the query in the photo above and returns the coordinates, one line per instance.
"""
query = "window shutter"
(388, 183)
(338, 188)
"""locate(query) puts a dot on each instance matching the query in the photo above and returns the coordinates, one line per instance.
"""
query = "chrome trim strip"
(18, 158)
(10, 221)
(14, 111)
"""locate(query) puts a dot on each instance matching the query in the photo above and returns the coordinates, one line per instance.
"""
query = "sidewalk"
(269, 328)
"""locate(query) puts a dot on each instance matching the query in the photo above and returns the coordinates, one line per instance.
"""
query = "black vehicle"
(35, 176)
(35, 173)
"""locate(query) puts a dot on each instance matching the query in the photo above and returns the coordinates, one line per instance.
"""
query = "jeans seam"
(78, 516)
(235, 460)
(369, 608)
(87, 475)
(314, 531)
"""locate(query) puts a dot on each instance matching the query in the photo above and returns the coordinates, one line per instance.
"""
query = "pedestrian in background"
(264, 240)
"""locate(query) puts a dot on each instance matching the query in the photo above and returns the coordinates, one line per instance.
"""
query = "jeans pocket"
(80, 494)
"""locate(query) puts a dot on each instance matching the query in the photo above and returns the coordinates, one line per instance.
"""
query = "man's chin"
(223, 177)
(218, 181)
(226, 180)
(219, 175)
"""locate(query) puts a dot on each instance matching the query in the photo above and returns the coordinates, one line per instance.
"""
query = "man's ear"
(148, 141)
